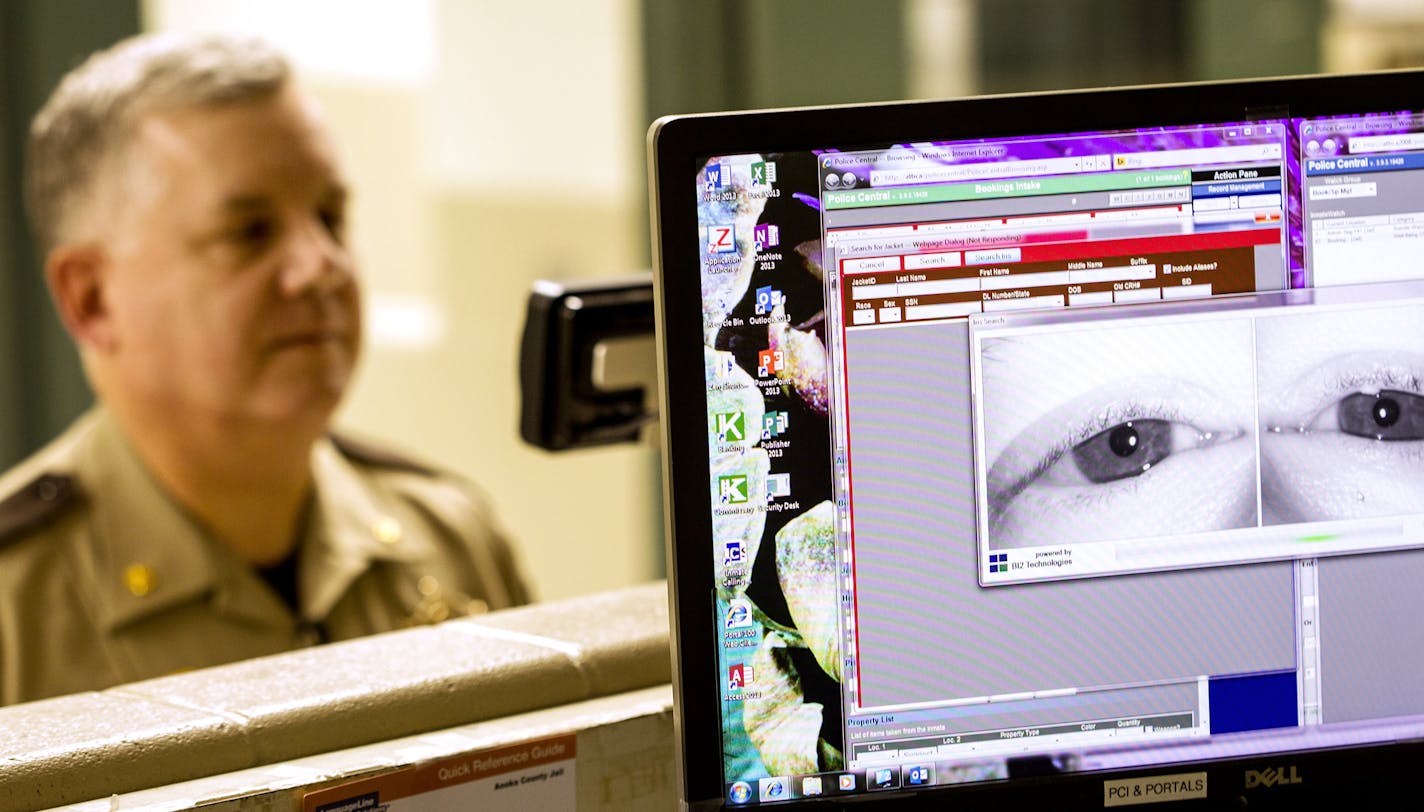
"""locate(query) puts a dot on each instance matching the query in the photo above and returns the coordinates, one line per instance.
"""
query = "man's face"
(229, 287)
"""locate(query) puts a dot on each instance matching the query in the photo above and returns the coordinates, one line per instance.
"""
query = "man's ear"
(77, 275)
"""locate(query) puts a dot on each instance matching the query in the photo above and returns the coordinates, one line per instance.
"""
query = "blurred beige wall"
(489, 144)
(1362, 35)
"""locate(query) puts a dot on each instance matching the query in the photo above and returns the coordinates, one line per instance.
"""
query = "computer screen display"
(1058, 453)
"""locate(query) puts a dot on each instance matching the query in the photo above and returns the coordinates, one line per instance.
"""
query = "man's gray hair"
(89, 118)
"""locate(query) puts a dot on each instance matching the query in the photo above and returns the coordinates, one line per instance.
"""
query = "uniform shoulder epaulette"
(32, 506)
(376, 456)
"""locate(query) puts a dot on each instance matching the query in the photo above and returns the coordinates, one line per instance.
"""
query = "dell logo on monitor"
(1272, 777)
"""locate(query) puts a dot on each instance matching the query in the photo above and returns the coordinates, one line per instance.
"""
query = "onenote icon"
(765, 235)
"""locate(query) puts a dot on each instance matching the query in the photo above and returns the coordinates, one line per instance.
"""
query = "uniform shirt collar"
(153, 555)
(353, 526)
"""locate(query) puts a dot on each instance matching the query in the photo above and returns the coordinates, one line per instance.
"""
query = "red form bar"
(1206, 241)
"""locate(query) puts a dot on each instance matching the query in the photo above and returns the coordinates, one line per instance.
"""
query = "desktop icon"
(740, 793)
(740, 677)
(739, 614)
(721, 239)
(811, 786)
(734, 552)
(717, 176)
(767, 300)
(763, 173)
(770, 362)
(766, 235)
(778, 486)
(731, 427)
(732, 489)
(773, 424)
(724, 366)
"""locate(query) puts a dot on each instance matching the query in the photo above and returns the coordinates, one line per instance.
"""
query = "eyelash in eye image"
(1128, 449)
(1366, 395)
(1115, 432)
(1388, 415)
(1344, 437)
(1126, 470)
(1120, 441)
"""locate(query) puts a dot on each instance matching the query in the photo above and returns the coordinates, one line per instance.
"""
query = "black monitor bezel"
(677, 145)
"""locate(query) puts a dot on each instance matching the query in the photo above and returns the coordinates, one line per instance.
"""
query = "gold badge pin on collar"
(139, 579)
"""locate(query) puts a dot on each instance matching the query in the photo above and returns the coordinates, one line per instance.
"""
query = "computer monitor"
(1064, 447)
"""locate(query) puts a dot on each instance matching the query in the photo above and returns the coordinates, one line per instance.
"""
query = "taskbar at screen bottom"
(907, 775)
(1272, 768)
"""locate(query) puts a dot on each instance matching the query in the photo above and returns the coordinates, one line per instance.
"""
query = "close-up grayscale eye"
(1384, 415)
(1156, 443)
(1341, 413)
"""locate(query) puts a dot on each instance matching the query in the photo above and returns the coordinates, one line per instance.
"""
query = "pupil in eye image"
(1386, 412)
(1123, 440)
(1342, 413)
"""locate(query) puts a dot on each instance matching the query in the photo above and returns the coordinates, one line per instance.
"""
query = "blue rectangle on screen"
(1253, 702)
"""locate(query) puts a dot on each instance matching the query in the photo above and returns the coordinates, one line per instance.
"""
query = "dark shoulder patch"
(376, 456)
(31, 507)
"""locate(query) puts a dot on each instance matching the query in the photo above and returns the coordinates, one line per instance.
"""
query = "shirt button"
(47, 490)
(428, 586)
(139, 579)
(386, 530)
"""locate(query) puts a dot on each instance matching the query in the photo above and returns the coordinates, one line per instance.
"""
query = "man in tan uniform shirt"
(190, 208)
